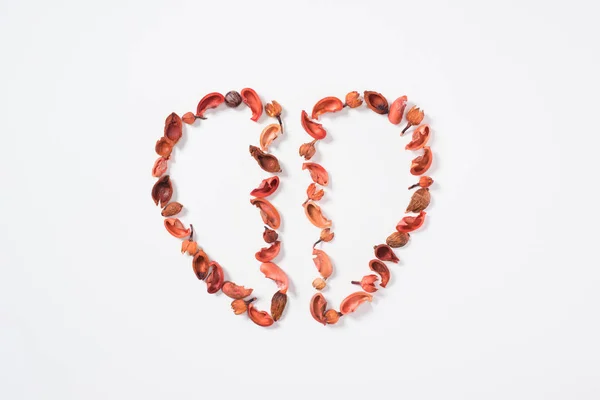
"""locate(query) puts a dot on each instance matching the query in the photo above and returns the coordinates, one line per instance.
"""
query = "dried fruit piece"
(260, 318)
(325, 236)
(171, 209)
(240, 306)
(318, 304)
(419, 201)
(173, 128)
(313, 193)
(175, 227)
(397, 110)
(211, 100)
(269, 235)
(270, 133)
(409, 224)
(376, 102)
(278, 303)
(273, 110)
(189, 118)
(367, 283)
(397, 239)
(315, 215)
(272, 271)
(162, 191)
(251, 99)
(317, 173)
(268, 212)
(424, 182)
(214, 280)
(382, 270)
(200, 264)
(163, 147)
(159, 167)
(325, 105)
(235, 291)
(353, 99)
(233, 99)
(332, 316)
(266, 188)
(267, 162)
(319, 283)
(308, 150)
(189, 246)
(314, 129)
(421, 164)
(323, 263)
(351, 303)
(385, 253)
(414, 116)
(420, 138)
(266, 254)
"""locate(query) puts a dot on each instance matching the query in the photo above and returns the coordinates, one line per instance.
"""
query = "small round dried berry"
(233, 99)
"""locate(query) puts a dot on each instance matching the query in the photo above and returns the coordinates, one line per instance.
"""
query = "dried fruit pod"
(173, 128)
(397, 239)
(323, 263)
(421, 164)
(273, 110)
(272, 271)
(201, 264)
(325, 236)
(319, 283)
(189, 118)
(260, 318)
(308, 150)
(233, 99)
(313, 193)
(326, 105)
(214, 280)
(419, 201)
(385, 253)
(163, 147)
(317, 173)
(266, 188)
(171, 209)
(269, 235)
(278, 303)
(251, 99)
(267, 162)
(175, 227)
(314, 129)
(315, 215)
(211, 100)
(159, 167)
(424, 182)
(270, 133)
(382, 270)
(420, 138)
(353, 99)
(268, 212)
(367, 283)
(266, 254)
(351, 303)
(414, 116)
(235, 291)
(409, 224)
(397, 110)
(376, 102)
(332, 317)
(189, 246)
(162, 191)
(318, 304)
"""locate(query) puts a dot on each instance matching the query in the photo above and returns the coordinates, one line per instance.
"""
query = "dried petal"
(332, 316)
(367, 283)
(214, 280)
(328, 104)
(323, 263)
(251, 99)
(162, 191)
(270, 133)
(211, 100)
(267, 162)
(201, 264)
(409, 224)
(173, 128)
(319, 283)
(308, 150)
(159, 167)
(175, 227)
(260, 318)
(315, 215)
(314, 129)
(420, 138)
(351, 303)
(266, 188)
(382, 270)
(266, 254)
(326, 235)
(313, 193)
(163, 147)
(376, 102)
(235, 291)
(269, 235)
(272, 271)
(189, 118)
(171, 209)
(278, 303)
(268, 212)
(421, 164)
(385, 253)
(318, 304)
(317, 173)
(419, 201)
(397, 110)
(397, 239)
(353, 99)
(424, 182)
(233, 99)
(273, 109)
(189, 246)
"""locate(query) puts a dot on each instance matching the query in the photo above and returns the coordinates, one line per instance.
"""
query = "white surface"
(497, 298)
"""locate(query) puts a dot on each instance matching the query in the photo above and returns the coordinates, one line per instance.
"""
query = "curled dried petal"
(325, 105)
(382, 270)
(420, 138)
(233, 99)
(314, 129)
(270, 133)
(162, 191)
(175, 227)
(273, 109)
(313, 193)
(214, 280)
(332, 317)
(315, 215)
(173, 128)
(235, 291)
(420, 200)
(323, 263)
(376, 102)
(272, 271)
(266, 188)
(353, 99)
(385, 253)
(278, 303)
(211, 100)
(189, 118)
(317, 173)
(251, 99)
(266, 254)
(397, 110)
(163, 147)
(260, 318)
(268, 212)
(319, 283)
(367, 283)
(189, 246)
(201, 264)
(267, 162)
(159, 167)
(318, 304)
(421, 164)
(351, 303)
(171, 209)
(409, 224)
(397, 239)
(269, 235)
(308, 150)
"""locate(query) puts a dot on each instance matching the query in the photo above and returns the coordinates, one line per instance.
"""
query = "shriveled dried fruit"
(162, 191)
(211, 100)
(272, 271)
(200, 264)
(353, 99)
(173, 128)
(409, 224)
(397, 110)
(266, 254)
(233, 99)
(270, 133)
(215, 278)
(240, 306)
(189, 118)
(421, 164)
(382, 270)
(269, 235)
(251, 99)
(266, 188)
(332, 316)
(278, 303)
(273, 110)
(313, 193)
(351, 303)
(267, 162)
(260, 318)
(189, 246)
(318, 304)
(325, 236)
(397, 239)
(163, 147)
(385, 253)
(420, 200)
(317, 173)
(235, 291)
(376, 102)
(424, 182)
(414, 116)
(268, 212)
(323, 263)
(367, 283)
(314, 129)
(159, 167)
(315, 215)
(319, 283)
(420, 138)
(171, 209)
(308, 150)
(175, 227)
(325, 105)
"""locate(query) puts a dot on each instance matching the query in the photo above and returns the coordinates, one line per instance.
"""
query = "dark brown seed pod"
(419, 201)
(397, 239)
(376, 102)
(171, 209)
(201, 264)
(278, 303)
(269, 235)
(267, 162)
(385, 253)
(162, 191)
(382, 270)
(233, 99)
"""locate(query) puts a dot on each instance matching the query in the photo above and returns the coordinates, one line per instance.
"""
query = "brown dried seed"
(278, 303)
(397, 239)
(419, 201)
(319, 283)
(171, 209)
(233, 99)
(332, 316)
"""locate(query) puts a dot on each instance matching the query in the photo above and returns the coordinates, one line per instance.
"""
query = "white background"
(497, 297)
